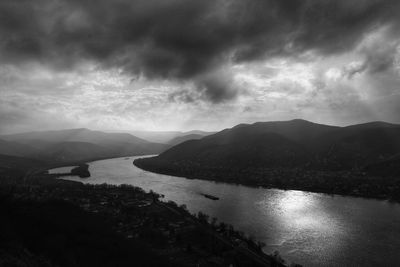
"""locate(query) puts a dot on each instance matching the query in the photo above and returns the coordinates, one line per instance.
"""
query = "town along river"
(307, 228)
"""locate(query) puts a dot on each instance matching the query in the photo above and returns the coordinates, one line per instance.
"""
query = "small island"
(82, 171)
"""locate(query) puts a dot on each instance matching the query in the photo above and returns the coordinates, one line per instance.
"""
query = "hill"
(75, 145)
(387, 167)
(184, 138)
(74, 135)
(295, 143)
(166, 137)
(13, 168)
(297, 154)
(15, 149)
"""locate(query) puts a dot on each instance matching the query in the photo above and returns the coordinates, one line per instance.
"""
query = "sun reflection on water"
(304, 221)
(294, 200)
(300, 210)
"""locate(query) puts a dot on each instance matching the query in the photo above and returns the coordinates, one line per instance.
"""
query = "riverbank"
(346, 183)
(166, 231)
(301, 226)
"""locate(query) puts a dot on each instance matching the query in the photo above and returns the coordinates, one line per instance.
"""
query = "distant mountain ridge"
(166, 137)
(184, 138)
(282, 144)
(78, 135)
(75, 144)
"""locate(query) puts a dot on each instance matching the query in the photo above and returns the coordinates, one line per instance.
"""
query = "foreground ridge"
(158, 232)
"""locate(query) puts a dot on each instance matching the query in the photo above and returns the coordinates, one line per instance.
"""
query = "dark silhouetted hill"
(15, 149)
(357, 160)
(359, 145)
(286, 144)
(57, 233)
(16, 167)
(388, 167)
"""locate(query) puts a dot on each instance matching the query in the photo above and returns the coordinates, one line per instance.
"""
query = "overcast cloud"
(184, 64)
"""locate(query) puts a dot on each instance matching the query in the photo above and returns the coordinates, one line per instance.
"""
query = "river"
(308, 228)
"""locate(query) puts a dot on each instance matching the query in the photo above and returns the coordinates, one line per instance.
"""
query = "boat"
(211, 197)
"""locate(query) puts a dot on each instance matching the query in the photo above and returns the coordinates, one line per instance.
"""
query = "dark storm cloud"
(380, 60)
(183, 39)
(215, 87)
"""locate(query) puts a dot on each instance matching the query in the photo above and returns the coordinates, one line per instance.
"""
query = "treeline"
(353, 183)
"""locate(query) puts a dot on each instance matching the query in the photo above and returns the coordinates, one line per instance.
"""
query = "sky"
(186, 64)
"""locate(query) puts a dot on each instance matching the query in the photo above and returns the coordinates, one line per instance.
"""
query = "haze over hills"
(71, 135)
(166, 137)
(295, 144)
(75, 145)
(184, 138)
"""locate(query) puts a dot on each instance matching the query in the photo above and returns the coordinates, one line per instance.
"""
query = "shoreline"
(206, 178)
(253, 185)
(114, 200)
(78, 163)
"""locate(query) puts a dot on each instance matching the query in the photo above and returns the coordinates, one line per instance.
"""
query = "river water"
(307, 228)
